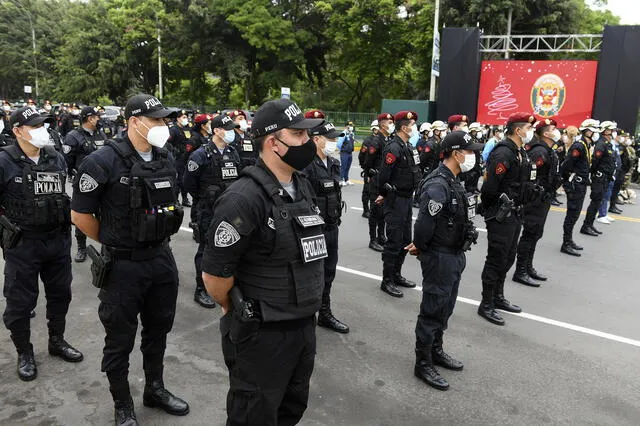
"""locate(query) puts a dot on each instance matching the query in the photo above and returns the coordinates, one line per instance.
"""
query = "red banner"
(562, 90)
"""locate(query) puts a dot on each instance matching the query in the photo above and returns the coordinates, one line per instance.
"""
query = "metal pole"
(436, 19)
(33, 43)
(507, 41)
(159, 64)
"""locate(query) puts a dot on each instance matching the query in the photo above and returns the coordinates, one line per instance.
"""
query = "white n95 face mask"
(469, 163)
(39, 137)
(157, 135)
(330, 147)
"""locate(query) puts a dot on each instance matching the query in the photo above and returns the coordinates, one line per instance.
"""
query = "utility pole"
(159, 60)
(507, 42)
(33, 43)
(434, 50)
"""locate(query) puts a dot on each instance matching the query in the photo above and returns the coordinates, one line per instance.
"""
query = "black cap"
(27, 116)
(146, 106)
(88, 111)
(326, 129)
(459, 140)
(280, 114)
(223, 121)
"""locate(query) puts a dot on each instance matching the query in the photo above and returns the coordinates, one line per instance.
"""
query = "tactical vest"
(450, 223)
(523, 177)
(153, 214)
(244, 146)
(329, 196)
(43, 204)
(223, 173)
(288, 282)
(406, 176)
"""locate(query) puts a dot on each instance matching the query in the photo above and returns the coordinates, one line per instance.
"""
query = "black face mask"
(299, 156)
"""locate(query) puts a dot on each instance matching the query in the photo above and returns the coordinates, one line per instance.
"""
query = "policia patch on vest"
(226, 235)
(47, 183)
(313, 248)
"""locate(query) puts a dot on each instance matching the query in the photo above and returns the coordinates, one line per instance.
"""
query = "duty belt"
(144, 253)
(443, 249)
(43, 235)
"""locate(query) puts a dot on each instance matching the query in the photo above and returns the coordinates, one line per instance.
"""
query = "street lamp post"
(436, 19)
(33, 43)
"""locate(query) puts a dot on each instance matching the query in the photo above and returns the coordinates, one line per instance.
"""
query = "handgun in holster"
(11, 233)
(100, 266)
(470, 236)
(505, 209)
(391, 193)
(244, 309)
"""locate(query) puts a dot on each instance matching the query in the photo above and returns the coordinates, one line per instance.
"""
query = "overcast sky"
(628, 10)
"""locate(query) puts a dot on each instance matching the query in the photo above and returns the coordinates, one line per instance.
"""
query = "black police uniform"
(442, 232)
(325, 180)
(508, 172)
(429, 154)
(196, 141)
(273, 245)
(68, 122)
(243, 145)
(136, 203)
(362, 157)
(575, 176)
(399, 177)
(33, 198)
(603, 169)
(625, 166)
(209, 172)
(108, 127)
(535, 213)
(181, 148)
(470, 179)
(372, 166)
(78, 144)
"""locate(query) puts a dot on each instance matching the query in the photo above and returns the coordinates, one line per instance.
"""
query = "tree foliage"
(334, 54)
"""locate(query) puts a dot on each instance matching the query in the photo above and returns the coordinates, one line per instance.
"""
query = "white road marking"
(413, 218)
(537, 318)
(182, 228)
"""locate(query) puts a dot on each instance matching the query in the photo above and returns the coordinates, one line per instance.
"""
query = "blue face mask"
(229, 136)
(415, 137)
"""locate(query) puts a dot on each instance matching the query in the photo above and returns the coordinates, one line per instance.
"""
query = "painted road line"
(532, 317)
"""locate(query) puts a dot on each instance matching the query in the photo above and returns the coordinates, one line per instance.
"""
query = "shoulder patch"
(226, 235)
(192, 166)
(434, 207)
(87, 183)
(390, 158)
(575, 152)
(427, 148)
(598, 153)
(363, 149)
(372, 149)
(271, 223)
(66, 149)
(501, 169)
(540, 162)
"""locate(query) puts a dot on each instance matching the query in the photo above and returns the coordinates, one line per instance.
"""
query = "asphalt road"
(571, 358)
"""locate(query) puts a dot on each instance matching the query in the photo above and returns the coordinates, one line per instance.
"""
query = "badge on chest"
(313, 248)
(471, 210)
(247, 146)
(229, 171)
(534, 172)
(416, 158)
(47, 183)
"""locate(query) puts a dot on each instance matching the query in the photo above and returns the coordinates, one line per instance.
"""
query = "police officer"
(210, 170)
(54, 136)
(106, 125)
(399, 177)
(69, 120)
(78, 144)
(35, 238)
(442, 233)
(503, 194)
(575, 177)
(6, 135)
(200, 136)
(179, 135)
(472, 177)
(324, 175)
(541, 152)
(242, 142)
(430, 153)
(362, 156)
(372, 166)
(626, 162)
(263, 265)
(130, 186)
(603, 168)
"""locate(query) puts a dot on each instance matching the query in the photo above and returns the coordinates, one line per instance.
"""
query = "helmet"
(425, 127)
(475, 126)
(608, 125)
(590, 124)
(374, 125)
(439, 125)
